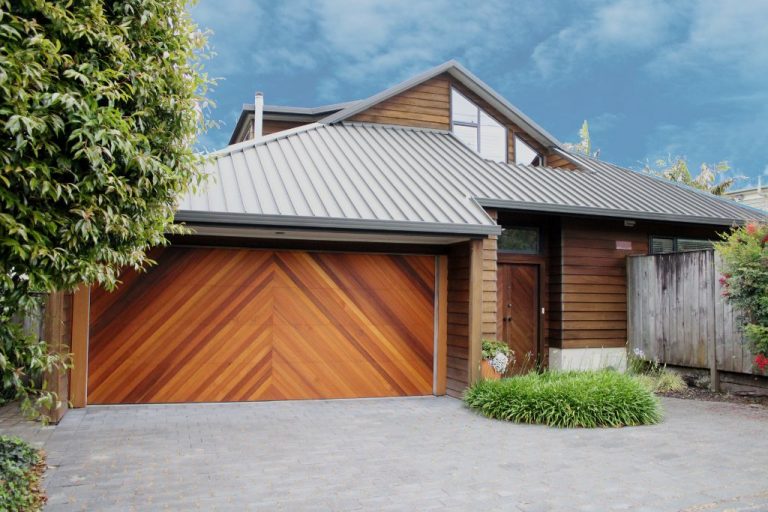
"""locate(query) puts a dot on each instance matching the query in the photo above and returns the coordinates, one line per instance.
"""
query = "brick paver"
(401, 454)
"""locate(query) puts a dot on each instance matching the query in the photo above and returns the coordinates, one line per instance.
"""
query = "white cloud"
(618, 28)
(723, 37)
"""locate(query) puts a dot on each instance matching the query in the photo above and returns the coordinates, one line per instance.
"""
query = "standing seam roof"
(371, 176)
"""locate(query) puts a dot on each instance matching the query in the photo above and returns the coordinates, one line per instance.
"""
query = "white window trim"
(476, 124)
(542, 156)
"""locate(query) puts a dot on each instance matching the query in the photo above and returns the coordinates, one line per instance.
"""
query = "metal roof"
(364, 177)
(468, 79)
(378, 177)
(603, 189)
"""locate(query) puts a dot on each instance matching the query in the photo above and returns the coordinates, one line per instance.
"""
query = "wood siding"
(269, 127)
(428, 105)
(591, 280)
(458, 374)
(232, 325)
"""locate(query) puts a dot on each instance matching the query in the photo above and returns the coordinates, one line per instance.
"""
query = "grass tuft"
(662, 382)
(567, 399)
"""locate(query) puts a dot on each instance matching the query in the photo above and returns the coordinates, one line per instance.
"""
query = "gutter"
(604, 212)
(305, 222)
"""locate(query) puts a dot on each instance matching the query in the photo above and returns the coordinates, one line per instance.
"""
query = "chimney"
(258, 114)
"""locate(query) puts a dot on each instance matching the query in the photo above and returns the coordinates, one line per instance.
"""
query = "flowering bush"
(498, 354)
(745, 282)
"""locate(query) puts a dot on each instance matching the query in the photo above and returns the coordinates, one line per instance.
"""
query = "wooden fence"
(676, 313)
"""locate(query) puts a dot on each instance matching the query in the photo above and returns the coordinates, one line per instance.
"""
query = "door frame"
(541, 263)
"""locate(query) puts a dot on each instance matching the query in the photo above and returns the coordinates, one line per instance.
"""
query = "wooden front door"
(518, 311)
(222, 325)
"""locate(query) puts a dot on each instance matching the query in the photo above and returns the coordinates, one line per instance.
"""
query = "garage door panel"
(233, 325)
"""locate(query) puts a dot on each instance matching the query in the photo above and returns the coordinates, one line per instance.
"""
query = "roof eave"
(304, 222)
(605, 212)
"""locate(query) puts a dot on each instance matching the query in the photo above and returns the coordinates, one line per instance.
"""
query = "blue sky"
(652, 77)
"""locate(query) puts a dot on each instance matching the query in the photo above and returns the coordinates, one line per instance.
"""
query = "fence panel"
(677, 314)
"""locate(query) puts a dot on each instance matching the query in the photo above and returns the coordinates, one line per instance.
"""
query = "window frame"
(540, 155)
(476, 124)
(535, 229)
(676, 243)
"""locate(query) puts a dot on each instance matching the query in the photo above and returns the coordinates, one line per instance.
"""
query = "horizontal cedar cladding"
(428, 105)
(588, 288)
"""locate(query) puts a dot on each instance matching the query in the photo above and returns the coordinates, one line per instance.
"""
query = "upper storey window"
(525, 154)
(477, 129)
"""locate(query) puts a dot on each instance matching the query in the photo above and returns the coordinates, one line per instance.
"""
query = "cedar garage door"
(211, 325)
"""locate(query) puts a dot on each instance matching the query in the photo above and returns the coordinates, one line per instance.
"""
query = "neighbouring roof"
(283, 113)
(465, 77)
(379, 177)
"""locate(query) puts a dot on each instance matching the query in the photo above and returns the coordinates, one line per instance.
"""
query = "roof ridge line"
(264, 139)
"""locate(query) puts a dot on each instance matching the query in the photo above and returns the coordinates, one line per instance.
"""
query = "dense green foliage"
(20, 469)
(100, 104)
(566, 399)
(745, 279)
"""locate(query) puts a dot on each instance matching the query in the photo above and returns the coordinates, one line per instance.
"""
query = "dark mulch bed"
(693, 393)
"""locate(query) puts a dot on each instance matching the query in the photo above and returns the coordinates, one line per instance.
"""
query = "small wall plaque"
(623, 245)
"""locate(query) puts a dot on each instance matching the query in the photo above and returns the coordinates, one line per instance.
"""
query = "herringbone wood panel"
(208, 325)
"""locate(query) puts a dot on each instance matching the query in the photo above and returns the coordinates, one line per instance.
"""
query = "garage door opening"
(214, 324)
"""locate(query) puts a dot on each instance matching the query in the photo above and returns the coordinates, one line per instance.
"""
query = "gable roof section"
(363, 177)
(469, 80)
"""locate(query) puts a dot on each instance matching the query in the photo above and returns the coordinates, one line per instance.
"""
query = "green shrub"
(20, 469)
(744, 253)
(662, 382)
(567, 399)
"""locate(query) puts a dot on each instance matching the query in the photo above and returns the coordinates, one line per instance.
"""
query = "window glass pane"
(689, 244)
(662, 245)
(521, 240)
(493, 139)
(462, 110)
(525, 154)
(467, 135)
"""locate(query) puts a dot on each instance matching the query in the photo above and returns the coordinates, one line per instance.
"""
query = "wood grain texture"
(209, 325)
(518, 309)
(78, 376)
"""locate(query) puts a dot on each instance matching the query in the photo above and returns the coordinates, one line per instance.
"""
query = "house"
(756, 197)
(367, 248)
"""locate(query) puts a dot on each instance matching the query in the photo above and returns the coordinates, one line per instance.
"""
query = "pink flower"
(751, 228)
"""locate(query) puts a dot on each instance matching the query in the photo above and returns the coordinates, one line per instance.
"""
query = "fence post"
(714, 375)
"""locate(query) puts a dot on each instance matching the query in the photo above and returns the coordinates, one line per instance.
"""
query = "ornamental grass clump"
(567, 399)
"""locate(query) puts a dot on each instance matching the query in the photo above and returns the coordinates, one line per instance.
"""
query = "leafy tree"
(584, 146)
(744, 252)
(710, 177)
(100, 103)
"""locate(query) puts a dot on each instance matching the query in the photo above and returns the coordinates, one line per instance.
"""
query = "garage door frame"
(78, 395)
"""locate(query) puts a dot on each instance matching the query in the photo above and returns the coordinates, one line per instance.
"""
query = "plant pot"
(488, 372)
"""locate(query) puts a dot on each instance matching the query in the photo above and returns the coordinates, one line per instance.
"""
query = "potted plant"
(496, 359)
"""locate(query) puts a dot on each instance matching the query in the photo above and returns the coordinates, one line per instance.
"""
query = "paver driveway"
(401, 454)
